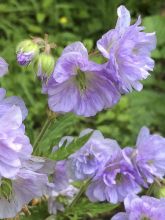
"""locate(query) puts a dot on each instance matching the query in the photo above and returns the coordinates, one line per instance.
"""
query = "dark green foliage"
(63, 125)
(38, 212)
(87, 210)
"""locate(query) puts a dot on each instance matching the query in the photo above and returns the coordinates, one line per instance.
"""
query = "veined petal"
(124, 19)
(77, 47)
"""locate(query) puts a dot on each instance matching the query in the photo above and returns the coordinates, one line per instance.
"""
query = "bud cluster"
(36, 51)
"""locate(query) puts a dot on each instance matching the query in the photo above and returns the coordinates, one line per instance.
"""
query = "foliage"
(65, 151)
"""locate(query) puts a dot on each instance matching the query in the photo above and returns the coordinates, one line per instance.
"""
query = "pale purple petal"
(3, 67)
(121, 216)
(124, 19)
(77, 47)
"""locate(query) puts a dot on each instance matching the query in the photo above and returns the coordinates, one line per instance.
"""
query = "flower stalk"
(79, 194)
(51, 117)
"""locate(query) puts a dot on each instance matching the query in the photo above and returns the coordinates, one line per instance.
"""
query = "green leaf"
(87, 208)
(156, 24)
(40, 17)
(37, 212)
(64, 151)
(62, 126)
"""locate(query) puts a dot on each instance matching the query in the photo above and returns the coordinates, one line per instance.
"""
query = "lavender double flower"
(14, 144)
(128, 50)
(144, 208)
(92, 156)
(149, 156)
(114, 181)
(79, 85)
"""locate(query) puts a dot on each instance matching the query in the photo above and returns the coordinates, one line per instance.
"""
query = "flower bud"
(160, 192)
(26, 51)
(45, 65)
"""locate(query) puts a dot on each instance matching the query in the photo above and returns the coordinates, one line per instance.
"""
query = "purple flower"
(115, 181)
(24, 58)
(39, 165)
(92, 156)
(144, 208)
(15, 146)
(60, 176)
(150, 155)
(128, 51)
(7, 102)
(60, 187)
(3, 67)
(79, 85)
(54, 202)
(16, 193)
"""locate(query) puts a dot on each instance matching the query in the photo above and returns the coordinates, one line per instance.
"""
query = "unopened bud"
(26, 51)
(160, 192)
(45, 65)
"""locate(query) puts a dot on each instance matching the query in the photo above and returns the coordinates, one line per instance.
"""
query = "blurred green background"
(66, 21)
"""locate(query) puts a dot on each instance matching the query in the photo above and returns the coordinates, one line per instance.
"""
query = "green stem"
(41, 134)
(79, 194)
(150, 189)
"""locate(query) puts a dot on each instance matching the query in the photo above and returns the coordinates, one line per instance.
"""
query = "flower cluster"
(115, 173)
(84, 87)
(79, 85)
(129, 169)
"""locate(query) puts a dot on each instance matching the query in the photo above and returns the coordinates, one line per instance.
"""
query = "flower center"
(150, 162)
(144, 217)
(81, 80)
(5, 188)
(119, 178)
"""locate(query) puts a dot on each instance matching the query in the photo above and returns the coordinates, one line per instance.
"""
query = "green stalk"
(46, 125)
(79, 194)
(150, 189)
